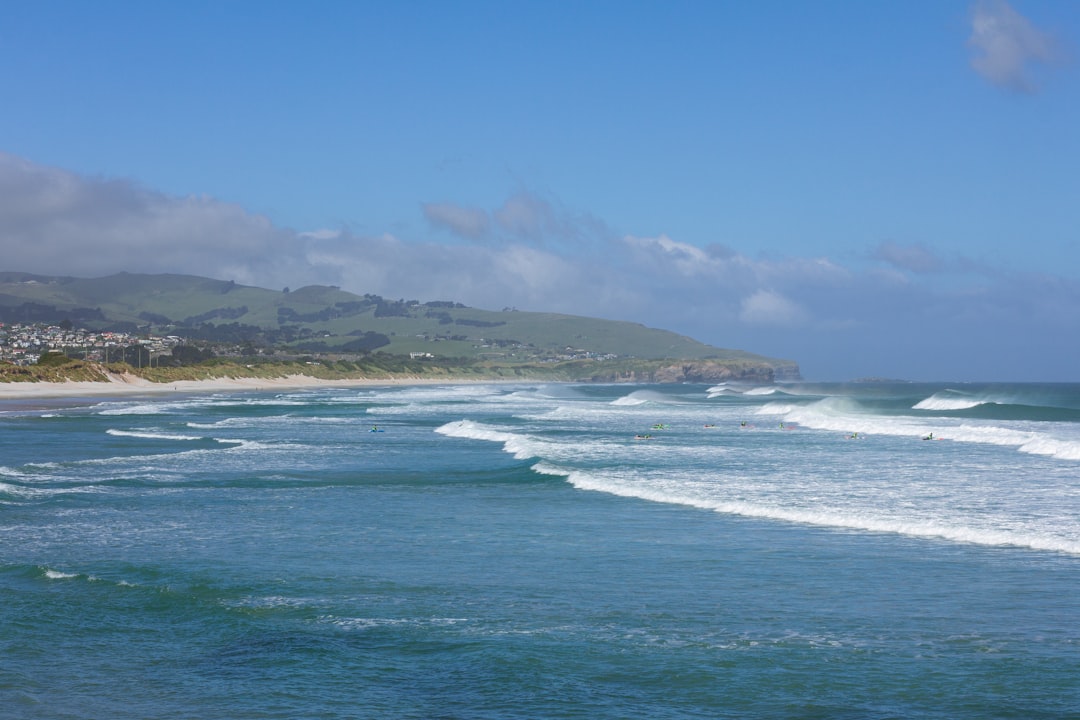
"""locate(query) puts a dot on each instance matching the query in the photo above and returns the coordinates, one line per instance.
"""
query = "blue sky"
(868, 188)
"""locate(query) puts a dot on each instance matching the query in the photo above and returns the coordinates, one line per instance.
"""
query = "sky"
(871, 189)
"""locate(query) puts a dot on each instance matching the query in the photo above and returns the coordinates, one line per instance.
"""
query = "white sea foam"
(276, 402)
(149, 435)
(846, 415)
(270, 421)
(195, 403)
(429, 395)
(838, 414)
(405, 409)
(593, 416)
(145, 409)
(639, 397)
(364, 623)
(44, 491)
(865, 520)
(227, 422)
(424, 400)
(156, 463)
(272, 602)
(1052, 447)
(57, 575)
(776, 408)
(12, 472)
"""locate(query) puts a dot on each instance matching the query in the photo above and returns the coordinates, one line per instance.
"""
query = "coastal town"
(24, 344)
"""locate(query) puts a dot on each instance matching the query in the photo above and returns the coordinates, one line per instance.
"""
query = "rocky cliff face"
(711, 372)
(787, 373)
(705, 371)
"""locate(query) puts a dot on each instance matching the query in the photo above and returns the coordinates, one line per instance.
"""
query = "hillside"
(321, 319)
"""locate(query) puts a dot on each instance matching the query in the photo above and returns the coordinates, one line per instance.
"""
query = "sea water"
(544, 551)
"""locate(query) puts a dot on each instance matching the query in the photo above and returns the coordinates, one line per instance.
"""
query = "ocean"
(871, 550)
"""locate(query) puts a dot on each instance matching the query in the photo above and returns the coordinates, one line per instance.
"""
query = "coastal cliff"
(694, 371)
(712, 372)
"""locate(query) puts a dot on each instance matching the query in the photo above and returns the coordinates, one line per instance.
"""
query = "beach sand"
(132, 385)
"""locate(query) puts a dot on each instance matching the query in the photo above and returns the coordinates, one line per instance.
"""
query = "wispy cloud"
(528, 217)
(915, 257)
(471, 223)
(1006, 44)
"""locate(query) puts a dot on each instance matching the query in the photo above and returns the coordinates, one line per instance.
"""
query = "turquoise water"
(515, 552)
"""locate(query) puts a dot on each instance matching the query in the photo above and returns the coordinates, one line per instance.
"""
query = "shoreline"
(132, 385)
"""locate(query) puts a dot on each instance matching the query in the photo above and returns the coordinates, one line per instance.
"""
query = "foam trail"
(57, 575)
(150, 435)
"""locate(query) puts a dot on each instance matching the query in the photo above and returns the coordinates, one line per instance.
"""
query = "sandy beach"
(133, 385)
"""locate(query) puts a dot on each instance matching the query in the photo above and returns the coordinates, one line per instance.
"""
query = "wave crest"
(521, 447)
(950, 400)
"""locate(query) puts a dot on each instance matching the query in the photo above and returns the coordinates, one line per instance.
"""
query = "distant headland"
(163, 328)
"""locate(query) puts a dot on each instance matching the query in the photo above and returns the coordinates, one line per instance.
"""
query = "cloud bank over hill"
(889, 308)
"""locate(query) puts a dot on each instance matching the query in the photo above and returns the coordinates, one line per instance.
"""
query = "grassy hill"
(328, 319)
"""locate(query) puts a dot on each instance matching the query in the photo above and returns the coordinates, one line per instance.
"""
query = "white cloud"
(481, 276)
(684, 259)
(55, 222)
(1005, 45)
